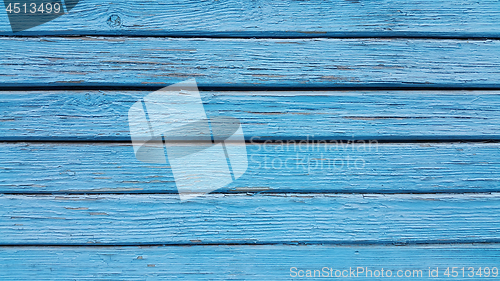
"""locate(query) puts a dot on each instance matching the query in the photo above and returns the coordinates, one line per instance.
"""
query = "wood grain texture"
(313, 168)
(234, 263)
(262, 15)
(287, 196)
(327, 115)
(247, 63)
(242, 219)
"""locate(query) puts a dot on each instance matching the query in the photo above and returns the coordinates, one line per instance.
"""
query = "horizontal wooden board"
(314, 167)
(242, 219)
(263, 15)
(241, 262)
(330, 115)
(242, 62)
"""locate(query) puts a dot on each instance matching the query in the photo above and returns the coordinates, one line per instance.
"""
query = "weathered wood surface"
(247, 62)
(243, 219)
(287, 16)
(328, 115)
(312, 168)
(270, 262)
(340, 216)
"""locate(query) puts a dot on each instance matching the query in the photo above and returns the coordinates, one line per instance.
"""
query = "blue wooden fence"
(402, 96)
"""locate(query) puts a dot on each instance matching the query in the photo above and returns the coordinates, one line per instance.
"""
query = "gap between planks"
(479, 36)
(339, 243)
(253, 87)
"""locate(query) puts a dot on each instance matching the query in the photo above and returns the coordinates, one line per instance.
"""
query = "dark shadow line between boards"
(403, 35)
(267, 243)
(317, 141)
(275, 192)
(264, 87)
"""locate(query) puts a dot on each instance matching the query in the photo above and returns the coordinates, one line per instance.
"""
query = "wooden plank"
(247, 63)
(309, 168)
(328, 115)
(310, 16)
(240, 262)
(241, 219)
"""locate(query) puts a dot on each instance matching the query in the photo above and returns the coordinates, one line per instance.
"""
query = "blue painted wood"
(317, 207)
(243, 62)
(236, 263)
(311, 168)
(299, 115)
(262, 15)
(242, 219)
